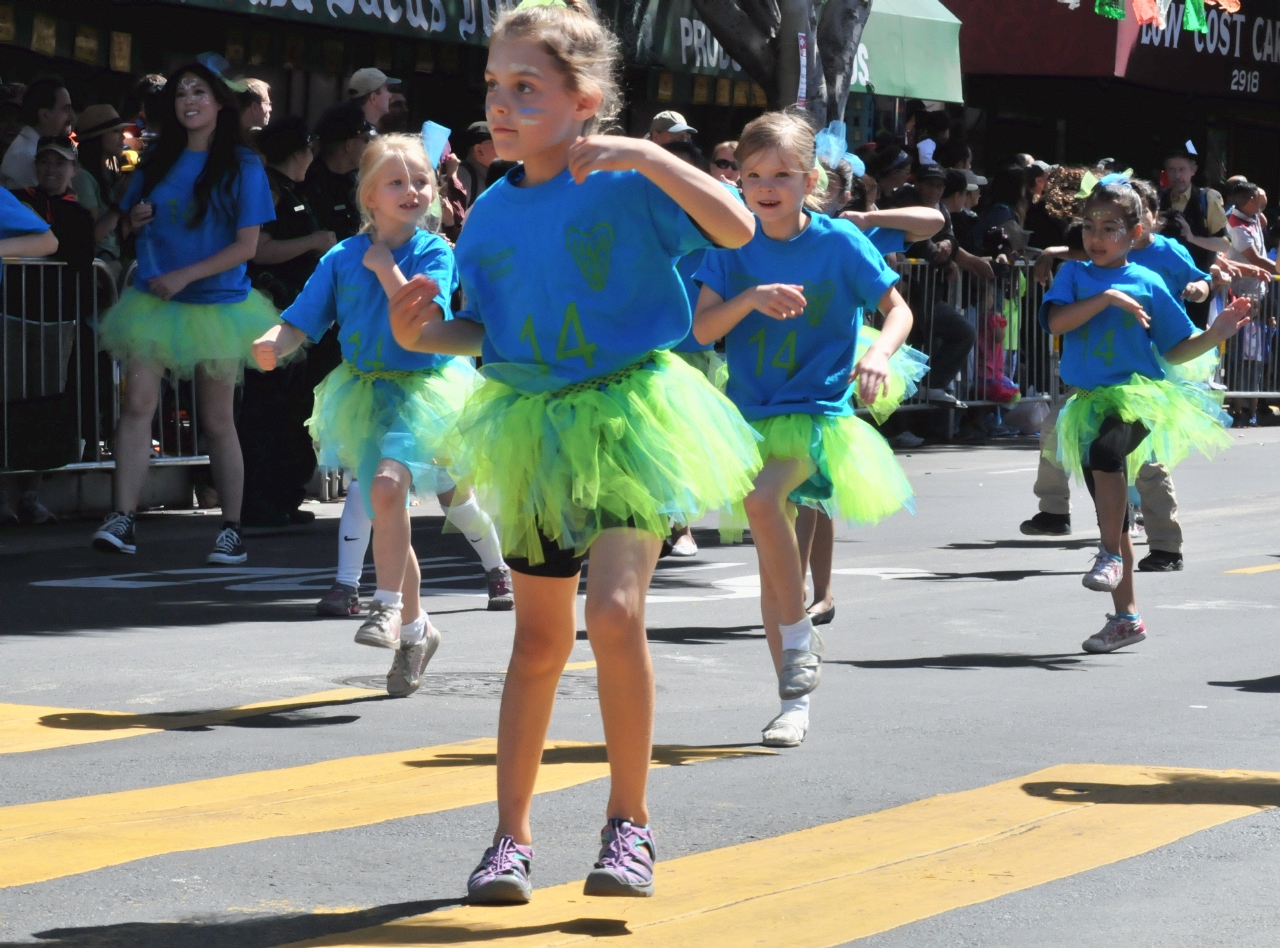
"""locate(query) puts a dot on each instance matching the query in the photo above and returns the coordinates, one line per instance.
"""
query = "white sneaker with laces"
(410, 662)
(1105, 573)
(382, 628)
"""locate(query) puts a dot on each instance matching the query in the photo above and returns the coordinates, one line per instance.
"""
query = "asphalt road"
(953, 665)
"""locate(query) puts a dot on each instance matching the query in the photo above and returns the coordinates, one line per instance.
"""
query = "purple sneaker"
(1105, 574)
(503, 874)
(626, 861)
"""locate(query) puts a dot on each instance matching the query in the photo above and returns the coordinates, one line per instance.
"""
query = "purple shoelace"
(505, 856)
(625, 845)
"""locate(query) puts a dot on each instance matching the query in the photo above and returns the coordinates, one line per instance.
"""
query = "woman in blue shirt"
(1115, 317)
(790, 306)
(197, 203)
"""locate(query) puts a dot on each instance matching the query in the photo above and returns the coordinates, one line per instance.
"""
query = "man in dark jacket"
(1196, 218)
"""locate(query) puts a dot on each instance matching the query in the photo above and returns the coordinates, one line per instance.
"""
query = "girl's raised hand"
(1129, 305)
(779, 300)
(412, 307)
(606, 153)
(378, 257)
(872, 375)
(1232, 318)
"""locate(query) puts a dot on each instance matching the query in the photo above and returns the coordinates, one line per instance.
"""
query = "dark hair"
(841, 175)
(1008, 186)
(1123, 195)
(41, 94)
(935, 122)
(689, 152)
(951, 152)
(94, 161)
(283, 138)
(223, 165)
(857, 196)
(887, 161)
(1240, 191)
(1181, 152)
(1148, 194)
(146, 91)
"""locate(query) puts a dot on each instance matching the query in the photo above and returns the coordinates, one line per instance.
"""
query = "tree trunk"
(750, 44)
(839, 35)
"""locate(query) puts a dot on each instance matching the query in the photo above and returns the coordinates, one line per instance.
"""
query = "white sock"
(799, 705)
(390, 597)
(479, 531)
(354, 530)
(416, 631)
(799, 635)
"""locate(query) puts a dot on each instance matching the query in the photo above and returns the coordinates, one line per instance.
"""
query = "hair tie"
(1117, 177)
(220, 67)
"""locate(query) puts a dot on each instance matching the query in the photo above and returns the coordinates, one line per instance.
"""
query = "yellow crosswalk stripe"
(832, 884)
(48, 840)
(1250, 570)
(25, 727)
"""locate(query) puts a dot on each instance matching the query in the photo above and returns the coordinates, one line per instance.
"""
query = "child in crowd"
(384, 413)
(790, 306)
(1248, 246)
(1114, 317)
(588, 435)
(197, 203)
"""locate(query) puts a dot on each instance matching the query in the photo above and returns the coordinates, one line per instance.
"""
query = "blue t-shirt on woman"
(343, 290)
(169, 242)
(574, 281)
(1112, 346)
(780, 367)
(1170, 261)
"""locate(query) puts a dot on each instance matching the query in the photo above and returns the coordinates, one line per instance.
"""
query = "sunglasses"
(726, 164)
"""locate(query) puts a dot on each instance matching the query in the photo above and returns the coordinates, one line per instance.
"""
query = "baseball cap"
(479, 131)
(957, 183)
(98, 120)
(340, 123)
(1041, 166)
(369, 79)
(670, 122)
(931, 172)
(62, 144)
(975, 180)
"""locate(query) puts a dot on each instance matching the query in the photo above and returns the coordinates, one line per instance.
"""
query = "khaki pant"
(1155, 489)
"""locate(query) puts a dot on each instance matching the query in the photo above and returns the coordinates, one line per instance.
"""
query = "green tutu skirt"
(907, 367)
(642, 447)
(1182, 417)
(362, 417)
(853, 475)
(180, 336)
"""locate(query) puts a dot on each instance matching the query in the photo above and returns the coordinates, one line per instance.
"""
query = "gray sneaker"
(410, 662)
(501, 598)
(801, 668)
(786, 730)
(382, 628)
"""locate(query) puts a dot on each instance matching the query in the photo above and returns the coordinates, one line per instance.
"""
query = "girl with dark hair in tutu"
(197, 203)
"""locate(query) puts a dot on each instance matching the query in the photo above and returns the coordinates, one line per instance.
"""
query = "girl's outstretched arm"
(716, 316)
(917, 223)
(29, 245)
(720, 215)
(1228, 323)
(872, 370)
(276, 343)
(416, 325)
(1069, 316)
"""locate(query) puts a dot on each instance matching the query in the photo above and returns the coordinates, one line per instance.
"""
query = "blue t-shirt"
(167, 243)
(687, 266)
(1170, 261)
(779, 367)
(575, 281)
(1112, 346)
(18, 220)
(886, 240)
(343, 290)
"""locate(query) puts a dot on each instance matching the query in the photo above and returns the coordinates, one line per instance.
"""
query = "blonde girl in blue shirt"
(588, 434)
(1119, 321)
(384, 413)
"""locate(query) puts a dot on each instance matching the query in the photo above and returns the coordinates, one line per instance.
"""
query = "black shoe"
(116, 534)
(228, 549)
(1160, 561)
(1047, 525)
(299, 517)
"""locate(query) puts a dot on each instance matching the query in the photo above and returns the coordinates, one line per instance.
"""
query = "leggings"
(1115, 442)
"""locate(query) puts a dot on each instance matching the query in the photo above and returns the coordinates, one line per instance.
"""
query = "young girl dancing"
(1114, 316)
(384, 413)
(790, 306)
(196, 203)
(587, 434)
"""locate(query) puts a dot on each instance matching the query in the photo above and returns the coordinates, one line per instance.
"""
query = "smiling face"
(1107, 235)
(401, 193)
(194, 103)
(529, 104)
(774, 186)
(54, 172)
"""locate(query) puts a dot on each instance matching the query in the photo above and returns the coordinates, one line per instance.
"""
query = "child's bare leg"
(769, 614)
(411, 587)
(391, 532)
(546, 626)
(775, 537)
(622, 564)
(824, 541)
(1111, 497)
(806, 522)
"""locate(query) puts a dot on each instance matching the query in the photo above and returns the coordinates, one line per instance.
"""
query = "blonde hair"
(586, 53)
(791, 132)
(380, 152)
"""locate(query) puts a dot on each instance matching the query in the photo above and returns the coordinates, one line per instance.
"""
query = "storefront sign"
(7, 30)
(121, 52)
(1239, 56)
(44, 34)
(86, 48)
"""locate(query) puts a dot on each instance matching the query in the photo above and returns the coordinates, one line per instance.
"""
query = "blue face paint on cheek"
(528, 116)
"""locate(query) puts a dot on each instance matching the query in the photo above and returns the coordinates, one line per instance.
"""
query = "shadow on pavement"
(670, 755)
(995, 575)
(1047, 543)
(970, 662)
(1263, 686)
(1180, 789)
(207, 720)
(698, 635)
(241, 933)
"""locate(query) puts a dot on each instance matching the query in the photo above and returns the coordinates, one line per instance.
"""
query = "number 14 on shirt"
(572, 325)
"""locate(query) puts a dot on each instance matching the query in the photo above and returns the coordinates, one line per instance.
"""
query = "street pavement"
(971, 777)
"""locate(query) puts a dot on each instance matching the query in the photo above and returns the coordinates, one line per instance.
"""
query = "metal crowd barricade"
(988, 329)
(1250, 366)
(59, 396)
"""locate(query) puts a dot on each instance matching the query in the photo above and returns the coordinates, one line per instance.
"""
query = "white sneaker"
(410, 662)
(942, 397)
(685, 546)
(382, 628)
(906, 439)
(786, 730)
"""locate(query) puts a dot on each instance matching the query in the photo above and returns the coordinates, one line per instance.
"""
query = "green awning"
(910, 48)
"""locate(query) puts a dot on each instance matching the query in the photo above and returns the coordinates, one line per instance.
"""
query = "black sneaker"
(228, 549)
(116, 534)
(1047, 525)
(1161, 561)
